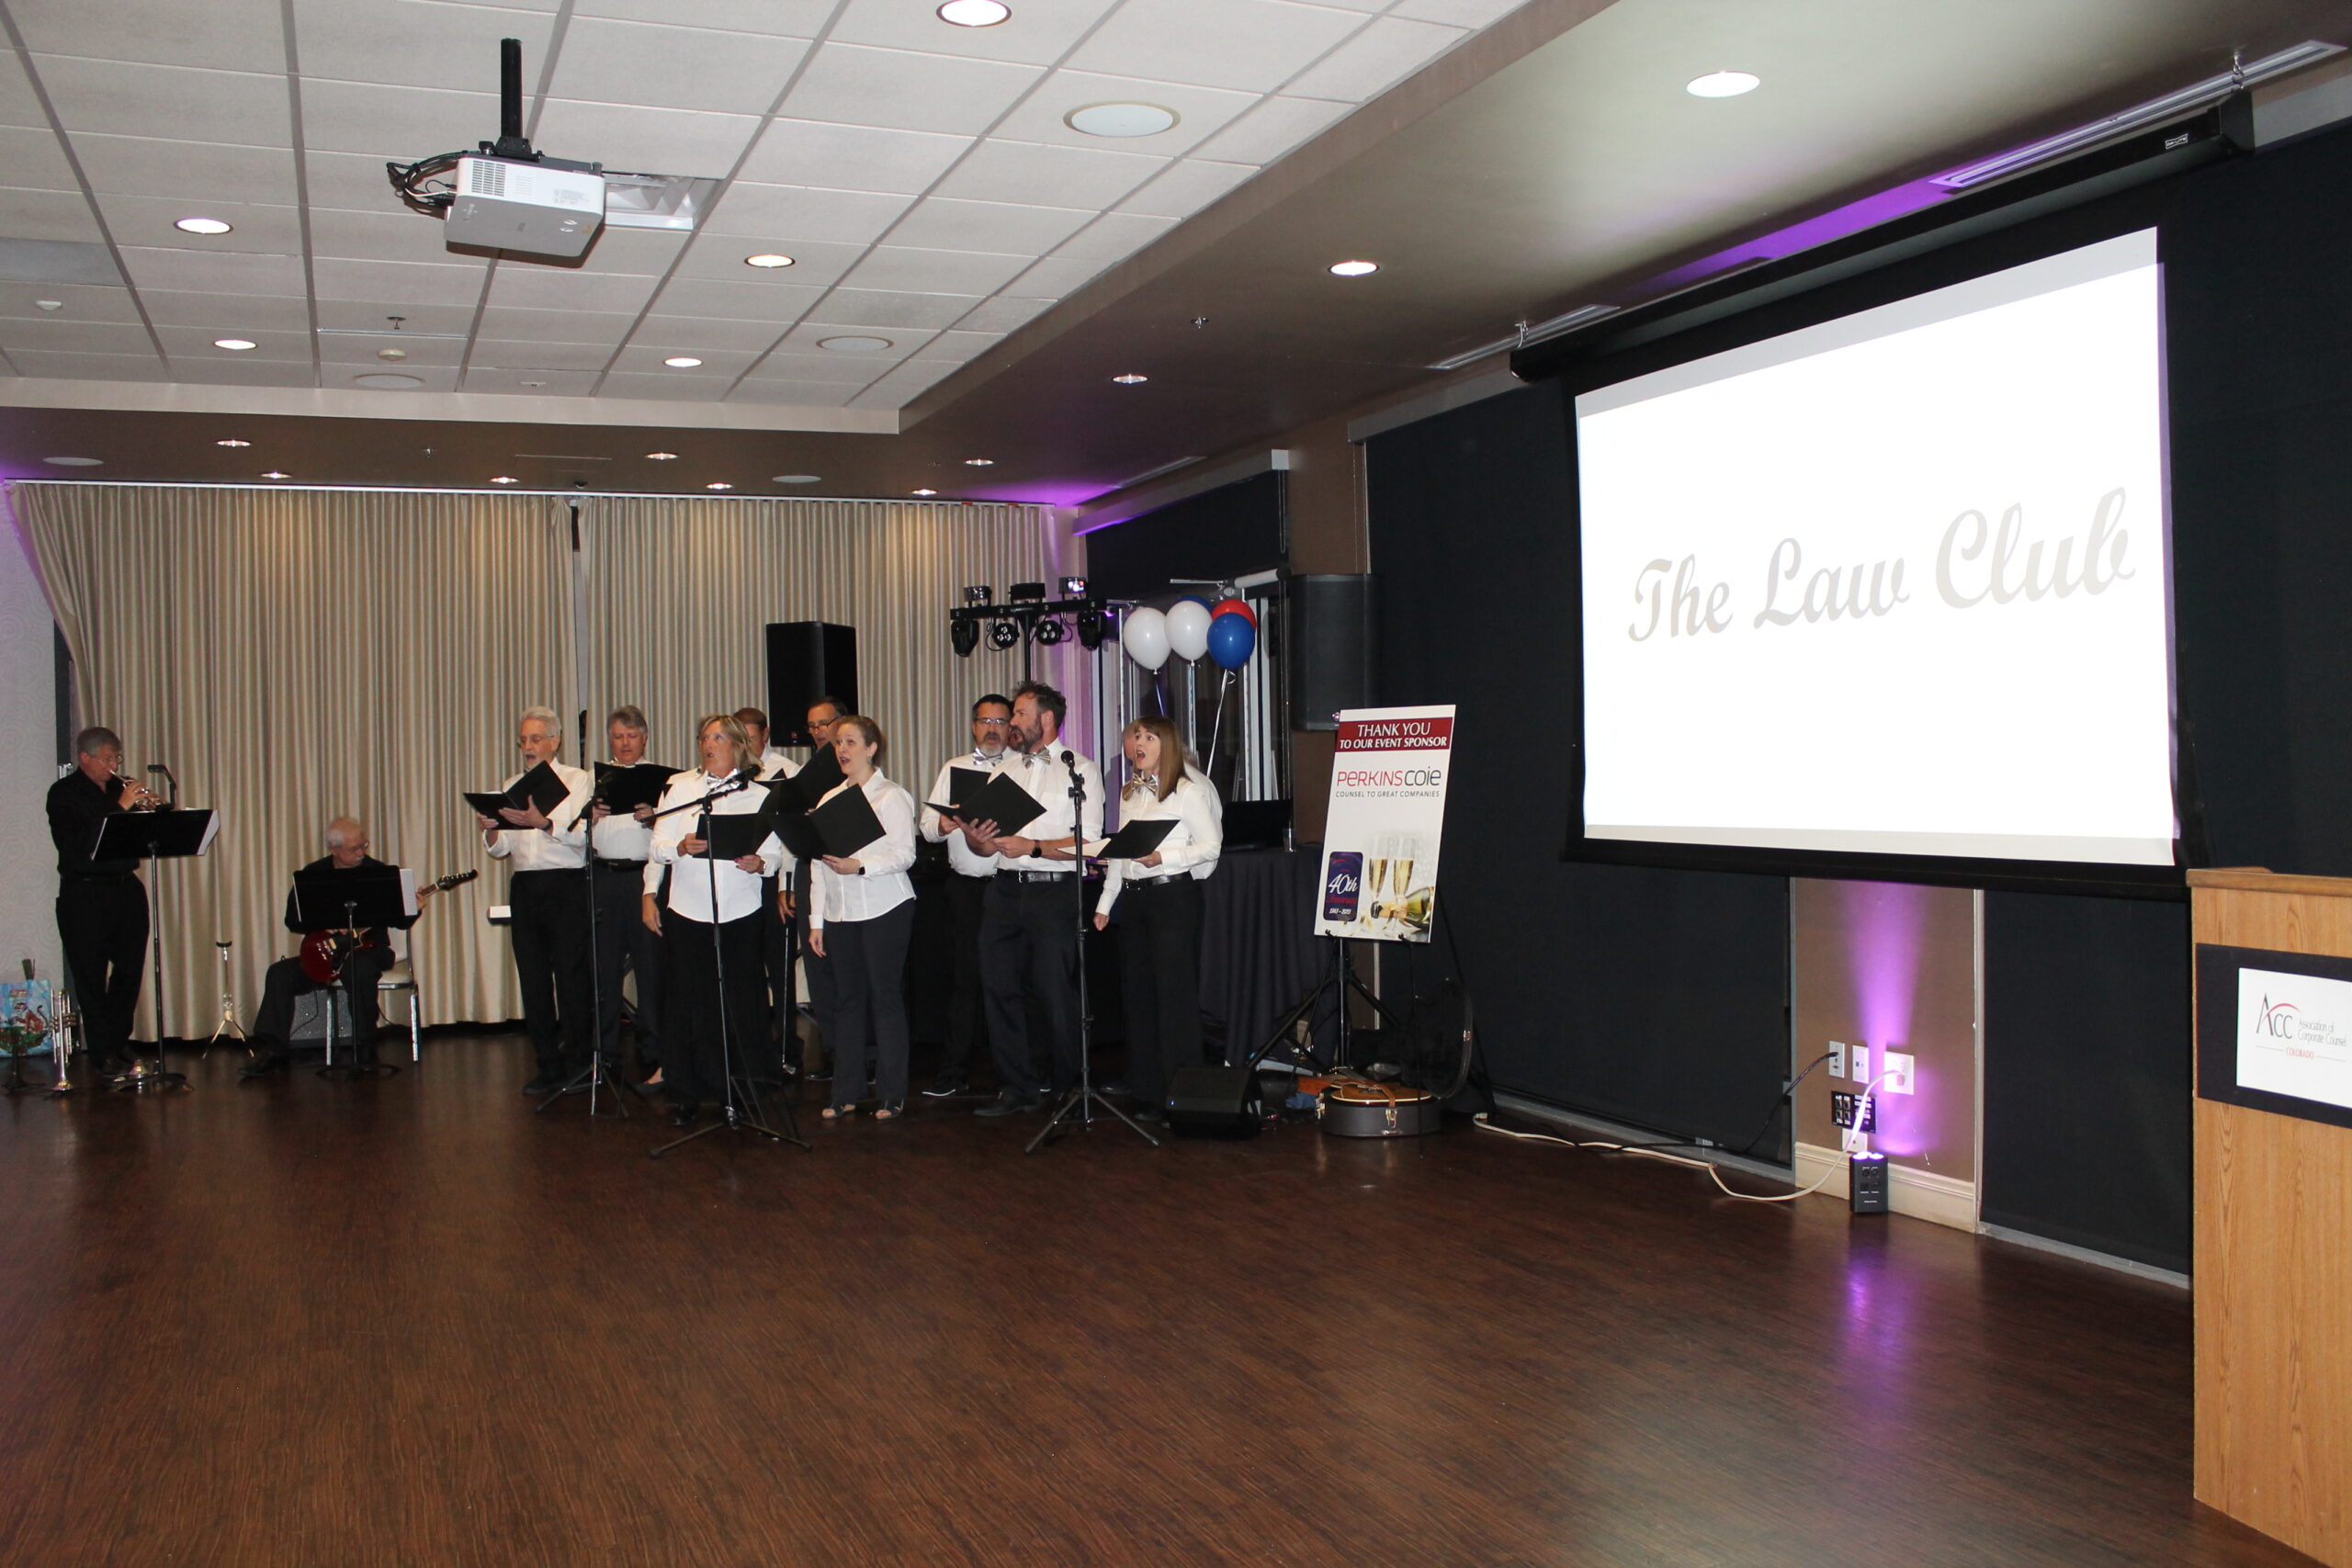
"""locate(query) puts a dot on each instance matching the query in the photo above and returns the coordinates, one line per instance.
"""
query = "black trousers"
(776, 958)
(966, 903)
(1159, 975)
(103, 928)
(551, 932)
(868, 959)
(623, 945)
(818, 972)
(284, 981)
(695, 1055)
(1029, 958)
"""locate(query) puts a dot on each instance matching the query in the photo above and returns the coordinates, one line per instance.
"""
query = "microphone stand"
(594, 1075)
(1082, 1096)
(732, 1118)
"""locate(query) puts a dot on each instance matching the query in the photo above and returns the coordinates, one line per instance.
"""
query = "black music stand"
(357, 904)
(158, 835)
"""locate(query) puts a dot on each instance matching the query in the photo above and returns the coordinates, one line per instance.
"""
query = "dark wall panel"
(1224, 533)
(1657, 997)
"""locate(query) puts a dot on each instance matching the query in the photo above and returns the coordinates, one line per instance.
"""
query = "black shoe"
(647, 1091)
(546, 1083)
(947, 1088)
(1147, 1113)
(262, 1066)
(822, 1075)
(1120, 1089)
(686, 1115)
(1010, 1102)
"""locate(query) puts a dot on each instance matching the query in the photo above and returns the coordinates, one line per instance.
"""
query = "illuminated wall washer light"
(77, 462)
(202, 226)
(233, 345)
(273, 474)
(980, 462)
(1132, 379)
(718, 484)
(767, 259)
(926, 492)
(853, 344)
(504, 480)
(681, 362)
(660, 457)
(231, 441)
(974, 13)
(1354, 268)
(1723, 84)
(1120, 119)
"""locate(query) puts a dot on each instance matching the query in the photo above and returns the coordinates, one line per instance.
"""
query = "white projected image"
(1896, 584)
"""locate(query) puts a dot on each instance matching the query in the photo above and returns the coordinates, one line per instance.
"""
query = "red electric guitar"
(325, 953)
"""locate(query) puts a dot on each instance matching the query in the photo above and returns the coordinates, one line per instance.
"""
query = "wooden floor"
(409, 1322)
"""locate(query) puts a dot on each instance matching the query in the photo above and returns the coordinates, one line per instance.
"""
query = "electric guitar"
(325, 953)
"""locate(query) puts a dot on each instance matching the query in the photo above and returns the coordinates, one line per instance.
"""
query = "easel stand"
(1078, 1104)
(156, 836)
(1341, 978)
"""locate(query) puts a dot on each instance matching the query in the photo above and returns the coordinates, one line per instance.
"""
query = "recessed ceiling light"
(533, 383)
(974, 13)
(768, 258)
(231, 441)
(1120, 120)
(980, 462)
(233, 345)
(1354, 268)
(77, 462)
(926, 492)
(1132, 379)
(203, 225)
(718, 484)
(388, 381)
(853, 344)
(273, 474)
(51, 304)
(1723, 84)
(797, 478)
(681, 362)
(660, 457)
(504, 480)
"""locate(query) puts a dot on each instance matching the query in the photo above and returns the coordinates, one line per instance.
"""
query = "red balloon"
(1237, 607)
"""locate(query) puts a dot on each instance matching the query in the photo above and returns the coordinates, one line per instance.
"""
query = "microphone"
(1070, 758)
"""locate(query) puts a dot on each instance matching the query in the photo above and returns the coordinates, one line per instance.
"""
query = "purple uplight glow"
(1835, 224)
(1888, 923)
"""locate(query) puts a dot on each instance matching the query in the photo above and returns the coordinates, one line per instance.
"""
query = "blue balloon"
(1231, 640)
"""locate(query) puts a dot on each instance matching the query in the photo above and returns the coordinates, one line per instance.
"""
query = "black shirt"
(78, 808)
(327, 913)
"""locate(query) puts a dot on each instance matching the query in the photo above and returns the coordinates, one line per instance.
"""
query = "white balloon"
(1188, 629)
(1145, 638)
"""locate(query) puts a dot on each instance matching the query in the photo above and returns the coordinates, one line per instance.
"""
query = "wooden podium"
(2274, 1256)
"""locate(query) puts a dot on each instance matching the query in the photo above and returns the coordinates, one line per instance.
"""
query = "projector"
(547, 209)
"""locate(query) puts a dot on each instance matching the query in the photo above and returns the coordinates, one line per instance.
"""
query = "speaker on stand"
(1330, 648)
(807, 660)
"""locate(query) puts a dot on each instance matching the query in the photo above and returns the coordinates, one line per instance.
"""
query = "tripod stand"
(1079, 1103)
(1342, 978)
(599, 1081)
(731, 1114)
(228, 1030)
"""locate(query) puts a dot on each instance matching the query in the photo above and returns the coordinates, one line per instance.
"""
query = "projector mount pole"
(511, 141)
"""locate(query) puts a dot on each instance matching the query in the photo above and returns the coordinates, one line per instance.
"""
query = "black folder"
(1000, 801)
(738, 833)
(1135, 840)
(804, 789)
(963, 783)
(538, 787)
(626, 789)
(841, 827)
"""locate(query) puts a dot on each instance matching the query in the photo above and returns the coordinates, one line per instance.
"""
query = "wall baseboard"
(1921, 1194)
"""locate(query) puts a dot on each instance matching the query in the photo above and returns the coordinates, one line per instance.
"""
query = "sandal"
(838, 1112)
(890, 1111)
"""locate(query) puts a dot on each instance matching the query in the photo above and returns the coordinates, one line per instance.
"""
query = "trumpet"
(142, 797)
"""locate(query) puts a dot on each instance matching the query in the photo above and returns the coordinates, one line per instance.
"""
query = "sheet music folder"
(841, 827)
(1133, 841)
(626, 789)
(537, 787)
(999, 800)
(155, 835)
(383, 898)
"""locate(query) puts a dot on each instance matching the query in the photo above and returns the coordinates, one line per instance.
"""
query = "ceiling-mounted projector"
(508, 197)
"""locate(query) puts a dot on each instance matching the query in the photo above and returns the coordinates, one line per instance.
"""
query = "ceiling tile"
(186, 343)
(33, 158)
(414, 43)
(648, 253)
(1007, 227)
(695, 334)
(1195, 41)
(379, 236)
(1273, 128)
(1057, 277)
(911, 271)
(227, 314)
(808, 340)
(341, 348)
(372, 313)
(191, 171)
(411, 283)
(437, 379)
(645, 356)
(82, 301)
(851, 371)
(164, 101)
(666, 389)
(89, 367)
(1201, 112)
(402, 124)
(961, 345)
(672, 67)
(213, 272)
(853, 85)
(526, 356)
(48, 215)
(800, 394)
(719, 258)
(246, 372)
(530, 383)
(773, 212)
(1037, 33)
(1457, 13)
(526, 288)
(1004, 313)
(19, 105)
(148, 220)
(760, 301)
(1027, 172)
(1385, 52)
(1186, 187)
(68, 336)
(905, 384)
(555, 326)
(876, 308)
(227, 35)
(352, 182)
(645, 140)
(809, 152)
(789, 18)
(1116, 236)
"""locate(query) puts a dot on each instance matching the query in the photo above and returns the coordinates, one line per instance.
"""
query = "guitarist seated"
(362, 965)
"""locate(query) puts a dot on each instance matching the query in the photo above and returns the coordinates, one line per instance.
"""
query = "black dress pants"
(1029, 958)
(868, 959)
(623, 945)
(966, 903)
(695, 1054)
(775, 957)
(358, 1015)
(549, 928)
(1159, 975)
(102, 925)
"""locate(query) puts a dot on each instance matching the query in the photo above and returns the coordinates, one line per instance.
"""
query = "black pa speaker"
(807, 660)
(1213, 1102)
(1330, 648)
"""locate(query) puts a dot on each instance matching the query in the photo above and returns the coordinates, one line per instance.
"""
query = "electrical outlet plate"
(1896, 1065)
(1861, 1064)
(1837, 1058)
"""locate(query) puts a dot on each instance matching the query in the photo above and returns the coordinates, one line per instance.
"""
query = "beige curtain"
(296, 655)
(679, 591)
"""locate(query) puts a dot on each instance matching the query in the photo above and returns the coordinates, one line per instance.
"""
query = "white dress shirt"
(621, 836)
(1192, 845)
(774, 764)
(691, 875)
(967, 861)
(655, 870)
(1043, 775)
(562, 845)
(881, 883)
(1216, 801)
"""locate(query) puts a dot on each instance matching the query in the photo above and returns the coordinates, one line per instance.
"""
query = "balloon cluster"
(1226, 631)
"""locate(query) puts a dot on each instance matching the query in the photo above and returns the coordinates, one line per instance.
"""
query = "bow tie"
(984, 760)
(1029, 757)
(1144, 781)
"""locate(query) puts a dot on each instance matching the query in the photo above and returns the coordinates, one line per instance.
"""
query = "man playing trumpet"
(101, 904)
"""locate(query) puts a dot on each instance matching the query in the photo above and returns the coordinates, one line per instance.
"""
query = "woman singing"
(1159, 935)
(707, 1031)
(860, 915)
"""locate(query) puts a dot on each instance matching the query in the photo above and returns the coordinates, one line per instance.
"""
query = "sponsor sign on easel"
(1387, 816)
